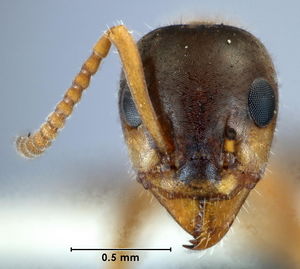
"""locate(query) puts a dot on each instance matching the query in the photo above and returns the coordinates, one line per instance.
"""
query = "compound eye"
(129, 110)
(261, 102)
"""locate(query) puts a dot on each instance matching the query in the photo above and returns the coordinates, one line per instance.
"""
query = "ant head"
(198, 110)
(214, 91)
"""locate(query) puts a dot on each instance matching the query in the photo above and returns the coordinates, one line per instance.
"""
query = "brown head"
(214, 91)
(198, 117)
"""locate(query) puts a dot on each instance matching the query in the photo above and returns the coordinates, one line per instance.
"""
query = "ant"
(198, 106)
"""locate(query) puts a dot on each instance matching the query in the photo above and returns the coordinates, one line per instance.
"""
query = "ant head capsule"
(214, 91)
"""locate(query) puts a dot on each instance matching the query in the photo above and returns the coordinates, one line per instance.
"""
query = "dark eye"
(261, 102)
(129, 110)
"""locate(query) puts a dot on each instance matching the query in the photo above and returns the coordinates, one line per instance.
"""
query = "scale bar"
(120, 249)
